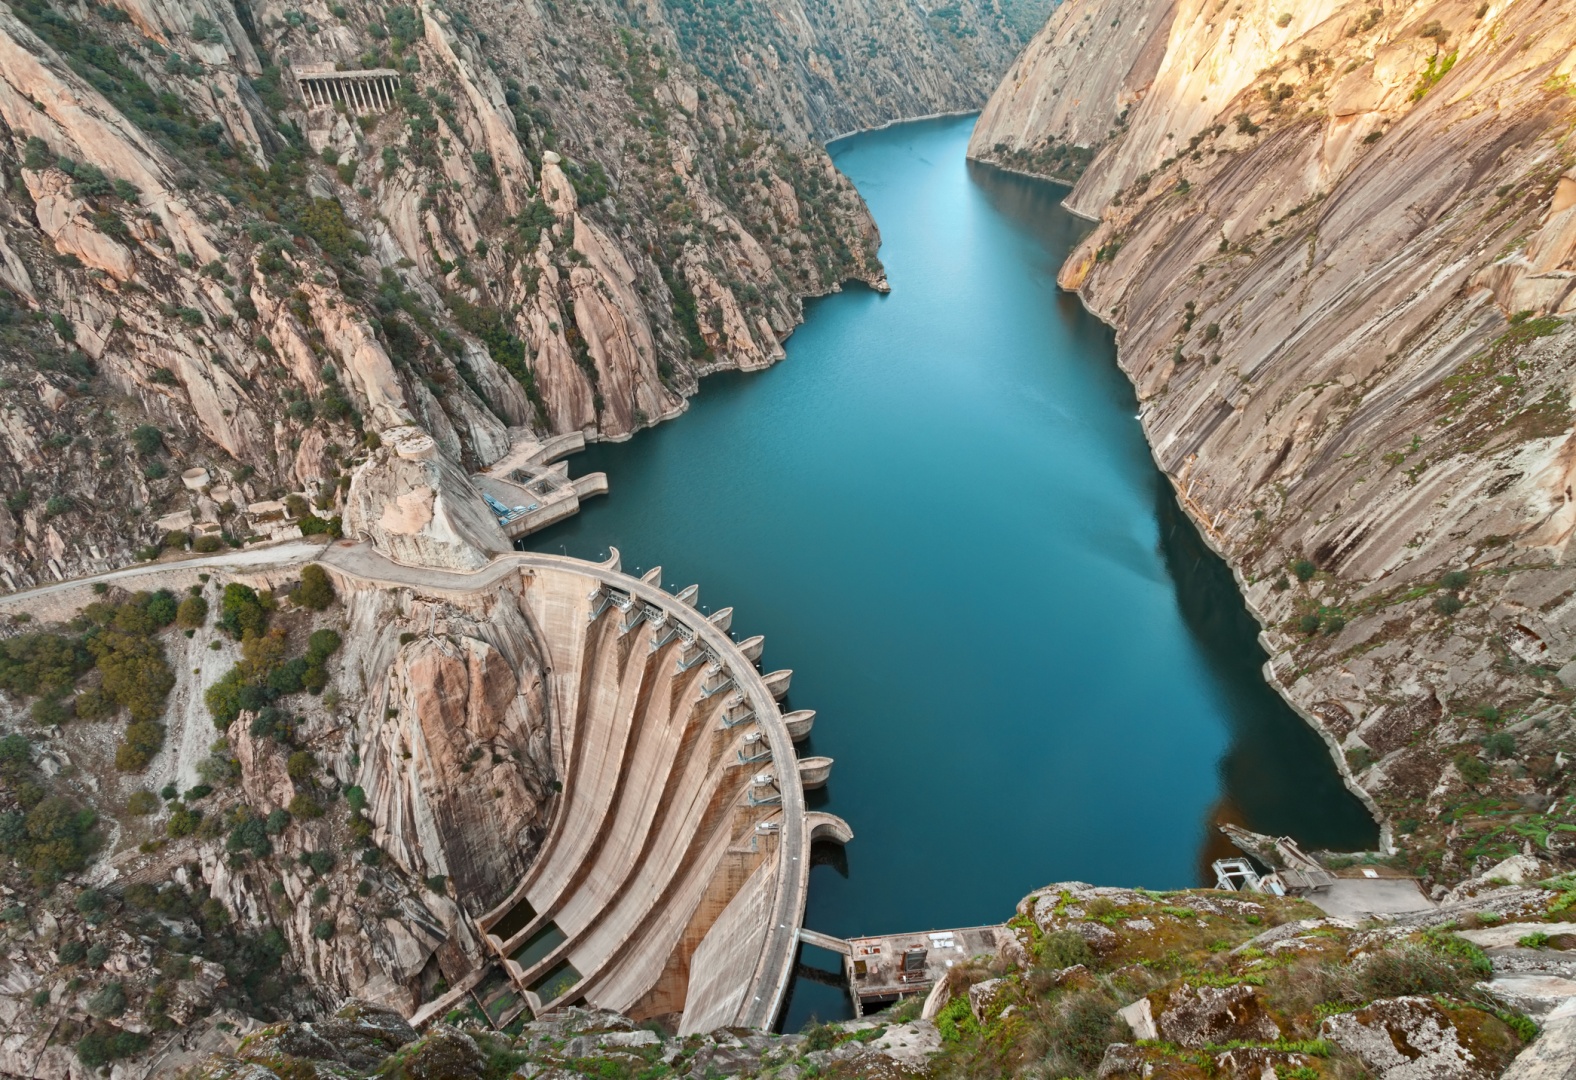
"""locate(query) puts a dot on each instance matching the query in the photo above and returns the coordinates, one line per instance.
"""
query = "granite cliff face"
(341, 792)
(1086, 981)
(530, 217)
(1336, 243)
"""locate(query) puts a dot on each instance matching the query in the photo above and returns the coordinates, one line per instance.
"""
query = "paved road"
(774, 971)
(284, 553)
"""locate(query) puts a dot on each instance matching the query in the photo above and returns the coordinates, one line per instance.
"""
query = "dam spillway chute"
(752, 647)
(777, 683)
(814, 771)
(799, 722)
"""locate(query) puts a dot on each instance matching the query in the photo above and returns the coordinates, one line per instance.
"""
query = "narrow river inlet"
(941, 512)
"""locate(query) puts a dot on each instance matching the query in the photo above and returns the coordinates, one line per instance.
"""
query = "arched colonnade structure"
(369, 90)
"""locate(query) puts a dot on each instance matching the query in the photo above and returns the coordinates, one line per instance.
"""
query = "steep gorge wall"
(567, 216)
(1336, 243)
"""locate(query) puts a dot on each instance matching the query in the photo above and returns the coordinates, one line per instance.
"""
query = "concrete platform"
(882, 970)
(532, 486)
(1359, 897)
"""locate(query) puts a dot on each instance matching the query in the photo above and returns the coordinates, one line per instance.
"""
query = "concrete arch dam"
(673, 873)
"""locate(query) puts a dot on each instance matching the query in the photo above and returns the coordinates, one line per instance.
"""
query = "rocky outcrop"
(455, 769)
(417, 508)
(1056, 99)
(1333, 242)
(1413, 1037)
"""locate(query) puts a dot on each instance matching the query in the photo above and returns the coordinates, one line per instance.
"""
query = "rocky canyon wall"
(533, 217)
(1336, 242)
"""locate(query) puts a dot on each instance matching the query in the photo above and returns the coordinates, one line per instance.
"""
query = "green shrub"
(1447, 604)
(240, 610)
(141, 742)
(98, 952)
(1309, 623)
(147, 439)
(323, 929)
(305, 807)
(108, 1001)
(47, 664)
(320, 647)
(192, 612)
(1455, 579)
(1080, 1030)
(1304, 570)
(224, 698)
(1413, 969)
(93, 705)
(317, 590)
(183, 822)
(301, 765)
(72, 952)
(1063, 949)
(53, 838)
(100, 1047)
(142, 803)
(956, 1020)
(1472, 769)
(250, 834)
(1501, 744)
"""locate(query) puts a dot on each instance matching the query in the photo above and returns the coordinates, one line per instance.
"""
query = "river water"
(941, 512)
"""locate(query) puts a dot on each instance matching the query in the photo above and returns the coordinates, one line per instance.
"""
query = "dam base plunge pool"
(941, 513)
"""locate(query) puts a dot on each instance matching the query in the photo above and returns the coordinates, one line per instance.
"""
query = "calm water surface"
(941, 512)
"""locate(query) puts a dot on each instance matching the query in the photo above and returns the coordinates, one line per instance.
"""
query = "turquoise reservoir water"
(941, 512)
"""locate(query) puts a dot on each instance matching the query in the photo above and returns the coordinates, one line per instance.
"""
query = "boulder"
(364, 1034)
(982, 995)
(416, 507)
(1553, 1056)
(723, 1060)
(280, 1043)
(1120, 1060)
(1414, 1038)
(1100, 938)
(1198, 1016)
(444, 1054)
(909, 1044)
(1140, 1017)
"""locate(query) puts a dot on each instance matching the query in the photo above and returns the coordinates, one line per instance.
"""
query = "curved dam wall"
(597, 771)
(672, 874)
